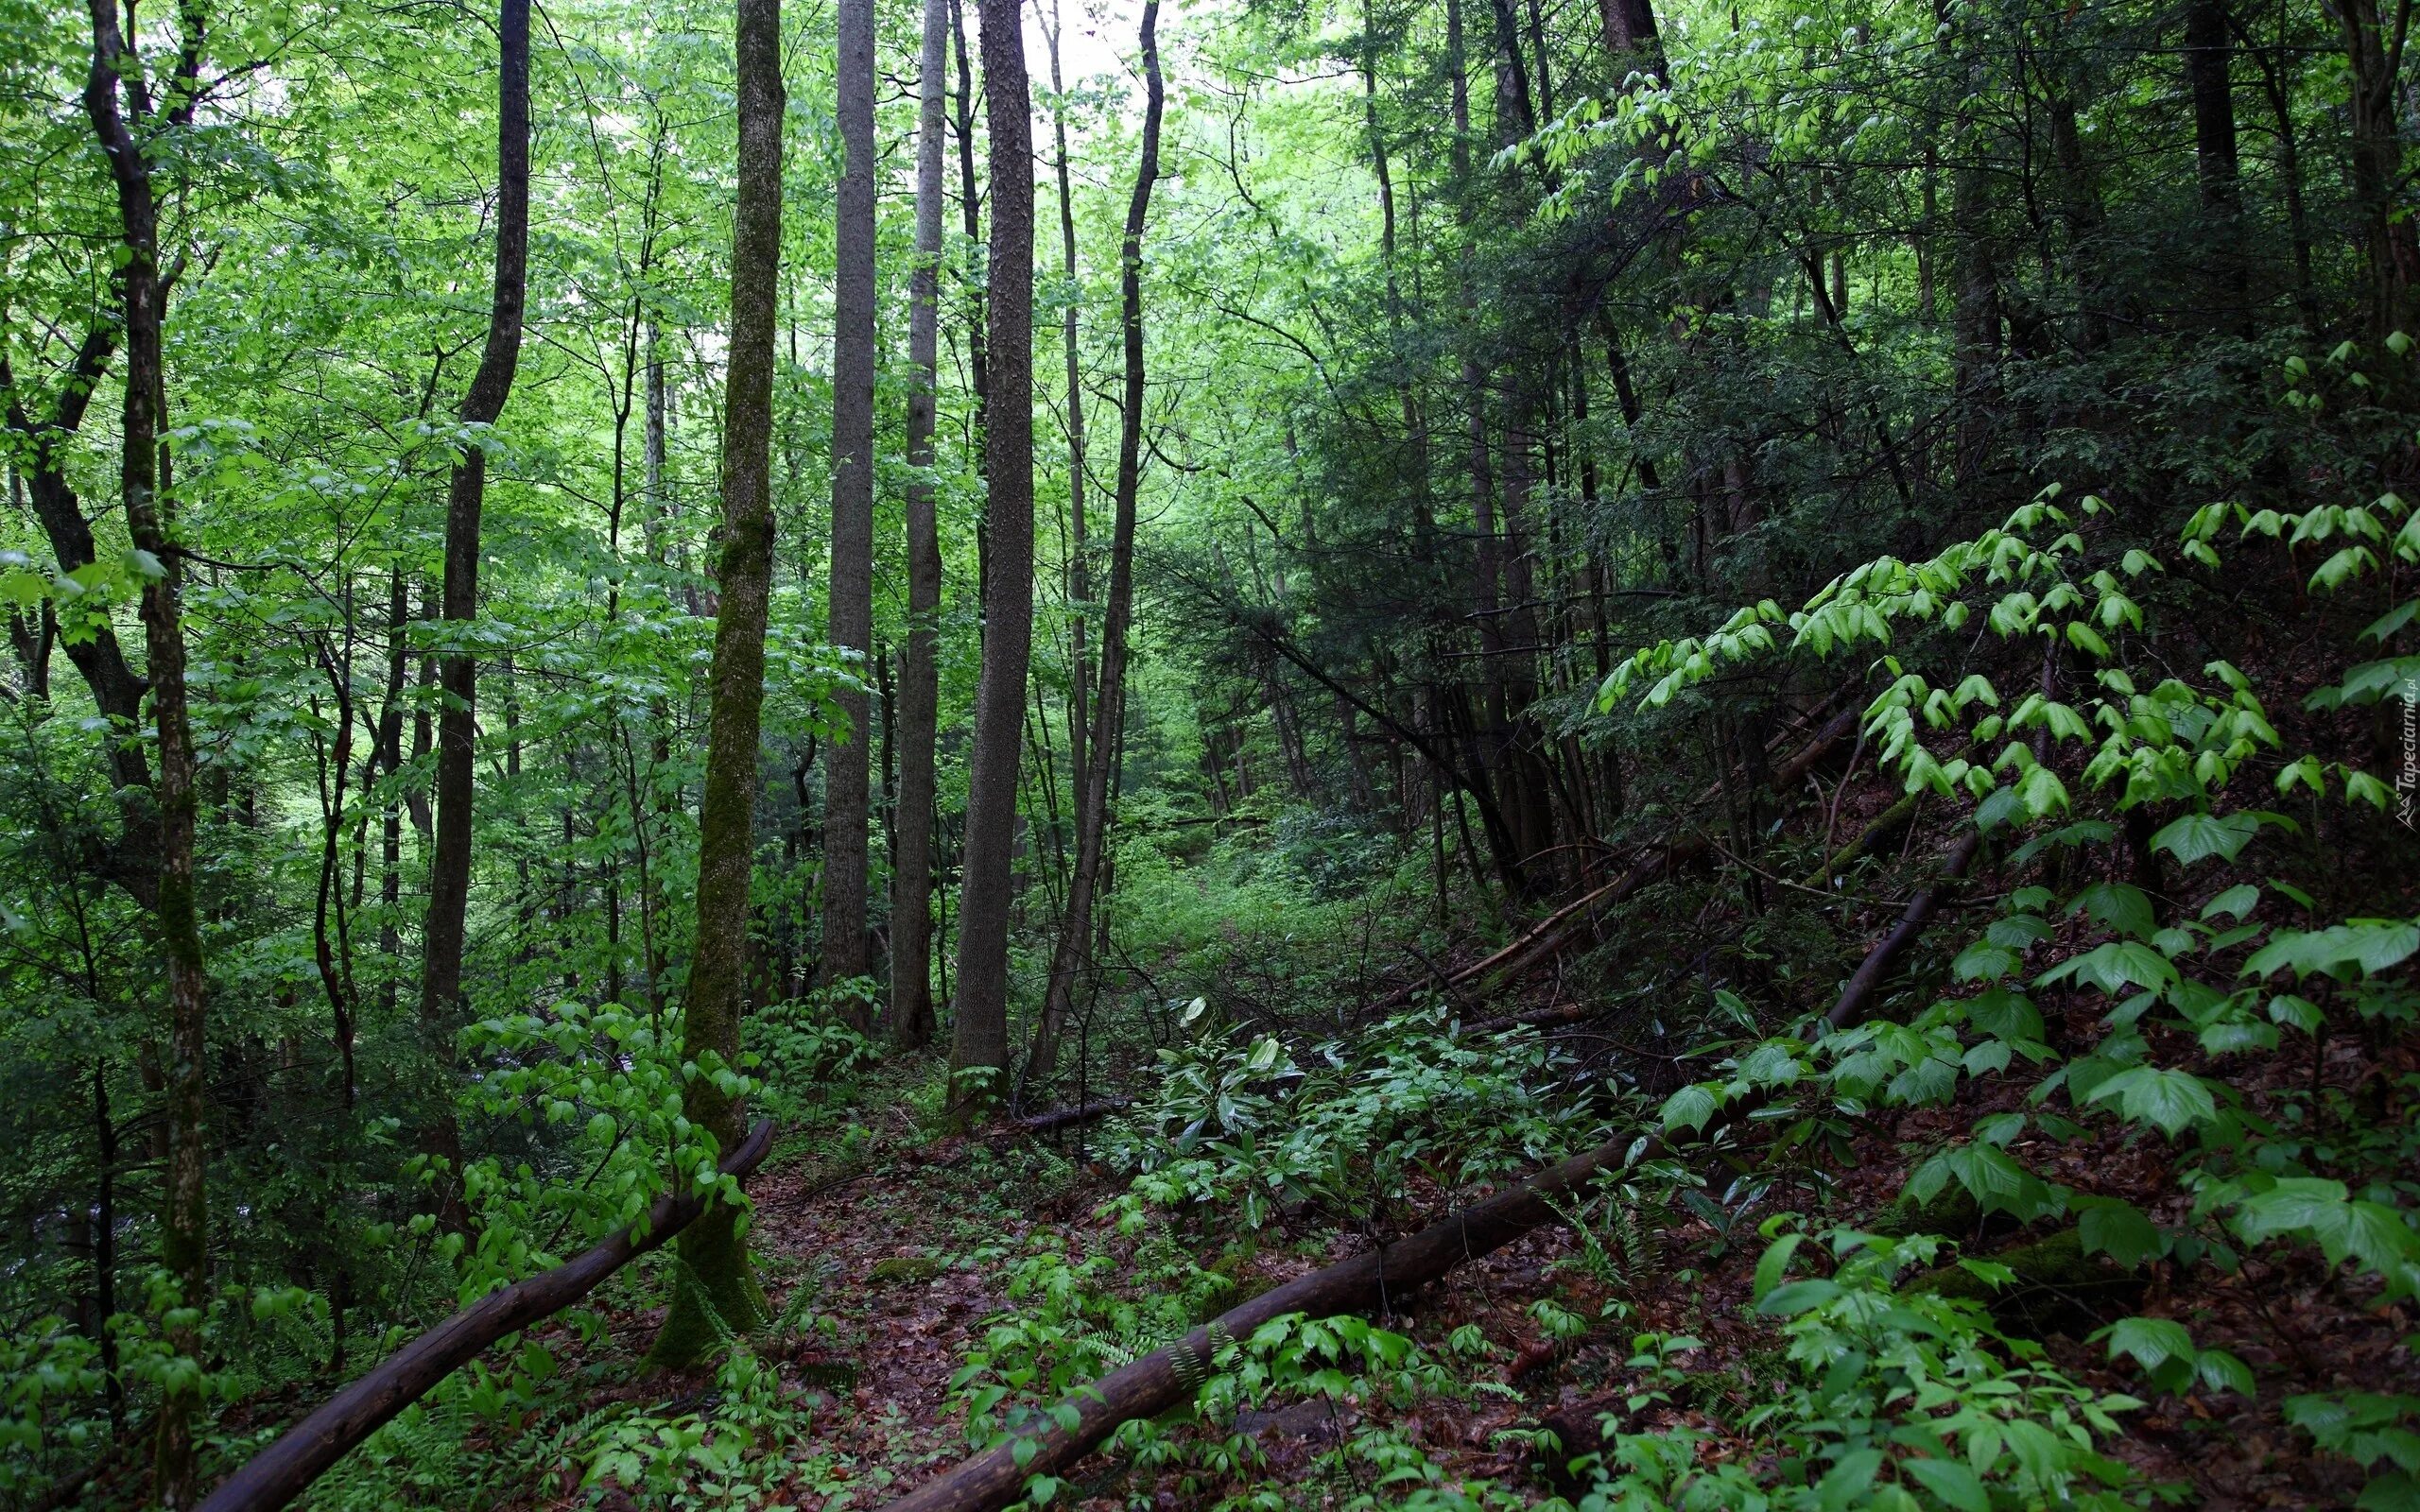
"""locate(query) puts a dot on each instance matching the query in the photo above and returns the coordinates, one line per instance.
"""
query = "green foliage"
(1892, 1397)
(1245, 1128)
(2381, 1433)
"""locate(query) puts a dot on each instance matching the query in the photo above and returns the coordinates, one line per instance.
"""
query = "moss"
(1216, 1285)
(2058, 1289)
(716, 1294)
(904, 1271)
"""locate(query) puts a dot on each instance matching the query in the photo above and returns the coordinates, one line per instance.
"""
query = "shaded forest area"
(1458, 754)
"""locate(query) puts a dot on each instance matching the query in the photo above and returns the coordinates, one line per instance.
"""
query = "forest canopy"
(1451, 753)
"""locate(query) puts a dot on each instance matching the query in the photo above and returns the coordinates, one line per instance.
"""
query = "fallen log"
(283, 1471)
(1161, 1379)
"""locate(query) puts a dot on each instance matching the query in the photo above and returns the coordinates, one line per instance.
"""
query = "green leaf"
(2119, 905)
(2113, 966)
(2197, 837)
(1950, 1481)
(1689, 1107)
(2174, 1100)
(1773, 1261)
(2119, 1230)
(1789, 1300)
(2150, 1342)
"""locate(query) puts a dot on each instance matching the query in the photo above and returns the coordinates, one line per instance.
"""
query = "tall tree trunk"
(713, 1251)
(449, 876)
(1976, 326)
(1092, 811)
(2290, 172)
(846, 783)
(2374, 49)
(658, 507)
(2080, 208)
(185, 1217)
(912, 907)
(1631, 37)
(979, 1047)
(2209, 55)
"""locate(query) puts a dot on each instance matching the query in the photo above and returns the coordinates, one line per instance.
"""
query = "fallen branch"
(1063, 1117)
(281, 1472)
(1857, 994)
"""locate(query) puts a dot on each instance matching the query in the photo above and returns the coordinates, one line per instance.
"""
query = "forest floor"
(886, 1275)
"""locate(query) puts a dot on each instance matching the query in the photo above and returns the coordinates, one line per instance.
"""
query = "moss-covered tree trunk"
(717, 1291)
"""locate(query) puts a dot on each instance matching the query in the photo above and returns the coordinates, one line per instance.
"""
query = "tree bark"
(1092, 812)
(713, 1251)
(979, 1046)
(150, 503)
(846, 781)
(2210, 54)
(911, 908)
(449, 875)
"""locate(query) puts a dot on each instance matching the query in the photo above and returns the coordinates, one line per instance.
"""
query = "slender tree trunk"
(390, 760)
(846, 783)
(2290, 173)
(911, 909)
(658, 507)
(184, 1218)
(1092, 811)
(1080, 588)
(449, 878)
(713, 1251)
(979, 1047)
(970, 203)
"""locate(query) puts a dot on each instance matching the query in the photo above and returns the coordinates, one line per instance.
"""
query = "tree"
(911, 905)
(123, 112)
(845, 803)
(1092, 811)
(713, 1252)
(449, 875)
(980, 1043)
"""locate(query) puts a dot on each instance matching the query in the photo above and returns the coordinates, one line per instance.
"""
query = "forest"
(941, 755)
